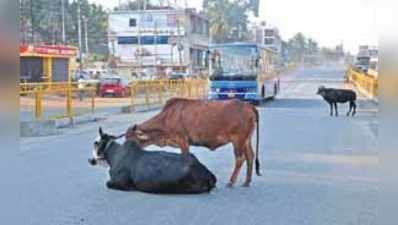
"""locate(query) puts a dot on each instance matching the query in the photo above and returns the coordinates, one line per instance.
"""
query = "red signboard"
(51, 50)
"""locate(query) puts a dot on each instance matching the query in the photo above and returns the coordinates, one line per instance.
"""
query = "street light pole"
(63, 22)
(32, 21)
(86, 35)
(79, 29)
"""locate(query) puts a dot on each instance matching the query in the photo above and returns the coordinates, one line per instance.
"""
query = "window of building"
(127, 40)
(133, 22)
(147, 40)
(162, 40)
(207, 28)
(269, 32)
(268, 41)
(171, 20)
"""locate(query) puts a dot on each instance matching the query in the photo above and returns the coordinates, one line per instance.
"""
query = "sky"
(330, 22)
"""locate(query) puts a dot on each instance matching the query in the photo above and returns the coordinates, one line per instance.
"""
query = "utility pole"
(79, 29)
(63, 21)
(23, 21)
(139, 35)
(86, 35)
(172, 37)
(32, 21)
(179, 44)
(156, 41)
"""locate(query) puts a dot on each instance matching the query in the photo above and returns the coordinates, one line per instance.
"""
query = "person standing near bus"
(80, 87)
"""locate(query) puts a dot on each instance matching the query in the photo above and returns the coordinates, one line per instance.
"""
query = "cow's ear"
(135, 127)
(101, 132)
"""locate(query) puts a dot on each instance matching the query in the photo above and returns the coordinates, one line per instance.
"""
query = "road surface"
(316, 170)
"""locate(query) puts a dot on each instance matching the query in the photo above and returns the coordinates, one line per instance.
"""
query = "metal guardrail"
(39, 90)
(366, 84)
(142, 93)
(157, 92)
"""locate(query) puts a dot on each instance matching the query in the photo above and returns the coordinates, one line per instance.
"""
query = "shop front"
(47, 63)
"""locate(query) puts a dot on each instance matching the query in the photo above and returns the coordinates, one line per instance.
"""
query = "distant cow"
(211, 124)
(132, 168)
(334, 96)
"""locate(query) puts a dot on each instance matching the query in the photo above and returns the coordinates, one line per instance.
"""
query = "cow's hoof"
(230, 185)
(92, 162)
(246, 184)
(110, 184)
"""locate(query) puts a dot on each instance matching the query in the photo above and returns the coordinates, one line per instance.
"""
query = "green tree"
(297, 47)
(229, 19)
(218, 19)
(312, 47)
(138, 4)
(46, 16)
(300, 47)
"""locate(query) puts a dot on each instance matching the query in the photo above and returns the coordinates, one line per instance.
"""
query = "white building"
(269, 37)
(166, 38)
(367, 58)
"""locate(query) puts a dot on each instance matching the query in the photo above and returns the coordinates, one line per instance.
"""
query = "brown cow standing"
(211, 124)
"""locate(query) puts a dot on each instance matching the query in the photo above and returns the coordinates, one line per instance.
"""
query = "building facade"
(367, 58)
(166, 38)
(269, 37)
(47, 63)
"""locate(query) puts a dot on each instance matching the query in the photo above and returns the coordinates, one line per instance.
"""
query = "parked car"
(113, 86)
(178, 76)
(86, 77)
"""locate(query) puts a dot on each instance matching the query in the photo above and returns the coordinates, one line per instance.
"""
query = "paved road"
(316, 170)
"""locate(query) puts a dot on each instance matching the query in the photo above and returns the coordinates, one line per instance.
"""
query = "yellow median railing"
(157, 92)
(66, 90)
(365, 83)
(144, 93)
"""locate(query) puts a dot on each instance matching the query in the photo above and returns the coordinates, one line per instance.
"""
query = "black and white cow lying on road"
(132, 168)
(334, 96)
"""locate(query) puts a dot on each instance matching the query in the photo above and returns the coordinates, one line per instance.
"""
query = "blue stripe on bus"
(233, 84)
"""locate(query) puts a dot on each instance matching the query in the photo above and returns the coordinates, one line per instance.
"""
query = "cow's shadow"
(294, 103)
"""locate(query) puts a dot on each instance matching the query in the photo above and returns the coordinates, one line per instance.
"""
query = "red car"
(113, 86)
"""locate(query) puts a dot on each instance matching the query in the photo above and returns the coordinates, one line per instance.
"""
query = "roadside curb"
(37, 128)
(140, 108)
(51, 127)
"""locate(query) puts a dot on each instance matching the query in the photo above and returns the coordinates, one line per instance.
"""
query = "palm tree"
(228, 19)
(218, 19)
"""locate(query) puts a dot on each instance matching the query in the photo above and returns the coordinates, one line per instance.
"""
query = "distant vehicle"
(362, 63)
(137, 75)
(374, 63)
(367, 58)
(112, 85)
(178, 75)
(244, 71)
(89, 81)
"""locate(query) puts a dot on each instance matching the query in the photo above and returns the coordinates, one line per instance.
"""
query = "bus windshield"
(234, 61)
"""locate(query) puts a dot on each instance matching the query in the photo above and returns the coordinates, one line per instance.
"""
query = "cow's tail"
(257, 140)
